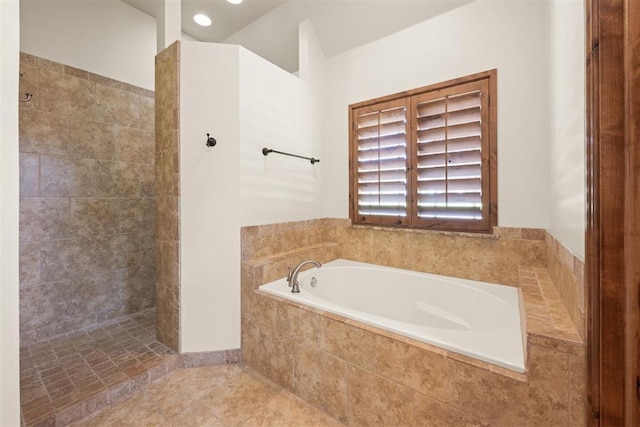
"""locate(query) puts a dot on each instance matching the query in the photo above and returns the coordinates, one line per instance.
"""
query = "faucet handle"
(289, 274)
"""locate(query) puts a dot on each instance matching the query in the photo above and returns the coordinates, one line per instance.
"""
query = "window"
(426, 158)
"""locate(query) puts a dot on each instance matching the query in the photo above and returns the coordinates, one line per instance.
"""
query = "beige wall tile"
(119, 250)
(147, 180)
(321, 379)
(298, 324)
(266, 312)
(577, 389)
(348, 342)
(92, 216)
(147, 113)
(167, 218)
(264, 350)
(482, 259)
(88, 138)
(68, 176)
(533, 234)
(421, 370)
(433, 253)
(359, 245)
(29, 175)
(137, 215)
(43, 132)
(392, 248)
(63, 259)
(45, 218)
(36, 311)
(66, 94)
(117, 106)
(165, 172)
(30, 257)
(374, 400)
(135, 145)
(140, 284)
(430, 412)
(502, 397)
(549, 385)
(567, 273)
(528, 253)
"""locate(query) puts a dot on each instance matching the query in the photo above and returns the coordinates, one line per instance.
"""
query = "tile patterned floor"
(225, 395)
(104, 361)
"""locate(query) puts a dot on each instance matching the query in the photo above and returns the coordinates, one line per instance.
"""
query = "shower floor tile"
(77, 373)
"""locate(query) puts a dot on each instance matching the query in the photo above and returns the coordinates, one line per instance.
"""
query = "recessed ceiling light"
(235, 1)
(201, 19)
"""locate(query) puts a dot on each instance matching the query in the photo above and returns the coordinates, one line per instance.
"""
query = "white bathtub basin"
(477, 319)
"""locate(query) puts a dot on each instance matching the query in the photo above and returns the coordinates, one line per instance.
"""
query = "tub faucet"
(292, 277)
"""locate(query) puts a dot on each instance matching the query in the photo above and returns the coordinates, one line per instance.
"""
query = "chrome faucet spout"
(292, 277)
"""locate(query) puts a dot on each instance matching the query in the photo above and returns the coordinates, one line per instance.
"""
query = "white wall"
(486, 34)
(247, 104)
(105, 37)
(283, 112)
(209, 203)
(9, 340)
(109, 38)
(567, 142)
(340, 25)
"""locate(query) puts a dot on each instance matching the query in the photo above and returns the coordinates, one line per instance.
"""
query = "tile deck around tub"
(73, 375)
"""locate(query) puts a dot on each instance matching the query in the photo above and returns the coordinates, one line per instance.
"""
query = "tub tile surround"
(86, 199)
(567, 272)
(362, 375)
(167, 194)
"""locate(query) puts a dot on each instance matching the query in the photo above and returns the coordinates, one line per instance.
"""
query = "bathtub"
(476, 319)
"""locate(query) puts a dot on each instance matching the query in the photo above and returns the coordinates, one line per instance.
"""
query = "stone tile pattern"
(86, 199)
(72, 376)
(361, 375)
(167, 192)
(228, 395)
(77, 373)
(567, 272)
(491, 258)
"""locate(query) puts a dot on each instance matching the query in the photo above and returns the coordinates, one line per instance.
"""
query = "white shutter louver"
(449, 162)
(381, 154)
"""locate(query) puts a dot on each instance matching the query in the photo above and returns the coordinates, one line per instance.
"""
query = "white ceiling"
(340, 25)
(227, 18)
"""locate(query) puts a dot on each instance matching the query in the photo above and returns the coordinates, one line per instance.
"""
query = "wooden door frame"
(612, 271)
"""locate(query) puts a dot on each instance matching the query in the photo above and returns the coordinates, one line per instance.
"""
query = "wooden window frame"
(489, 158)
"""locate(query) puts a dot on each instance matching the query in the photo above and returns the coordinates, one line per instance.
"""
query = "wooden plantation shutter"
(379, 157)
(426, 158)
(451, 158)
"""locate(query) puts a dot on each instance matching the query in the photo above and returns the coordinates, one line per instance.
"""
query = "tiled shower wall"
(168, 196)
(86, 199)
